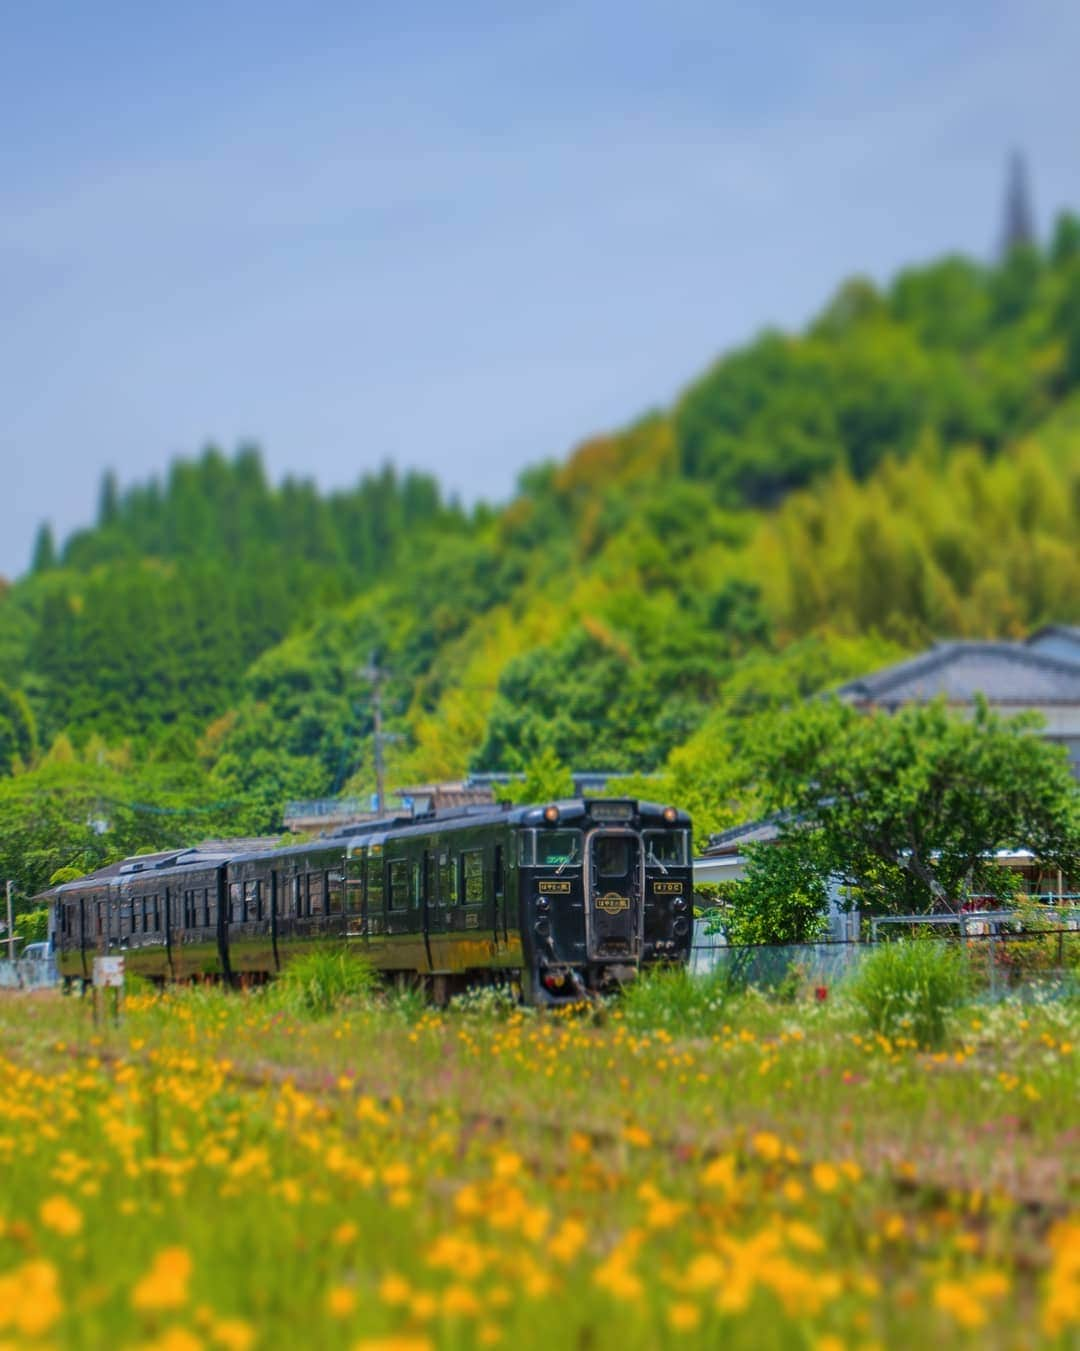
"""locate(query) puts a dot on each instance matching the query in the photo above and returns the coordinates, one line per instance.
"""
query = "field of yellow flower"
(217, 1172)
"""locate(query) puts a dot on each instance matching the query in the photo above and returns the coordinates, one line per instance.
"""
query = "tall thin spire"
(1019, 224)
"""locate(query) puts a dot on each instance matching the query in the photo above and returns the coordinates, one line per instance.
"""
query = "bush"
(677, 1000)
(316, 983)
(909, 988)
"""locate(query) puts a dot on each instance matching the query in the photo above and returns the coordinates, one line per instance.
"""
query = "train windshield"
(665, 848)
(558, 849)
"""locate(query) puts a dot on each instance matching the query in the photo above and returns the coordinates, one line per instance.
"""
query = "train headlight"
(543, 904)
(551, 814)
(670, 815)
(679, 903)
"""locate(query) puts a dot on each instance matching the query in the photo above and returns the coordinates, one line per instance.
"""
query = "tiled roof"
(732, 841)
(1006, 673)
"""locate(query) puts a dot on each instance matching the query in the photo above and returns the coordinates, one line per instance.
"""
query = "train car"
(561, 900)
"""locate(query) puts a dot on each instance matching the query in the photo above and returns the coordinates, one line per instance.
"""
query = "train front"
(606, 887)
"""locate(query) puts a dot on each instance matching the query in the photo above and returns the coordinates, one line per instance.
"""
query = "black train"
(567, 898)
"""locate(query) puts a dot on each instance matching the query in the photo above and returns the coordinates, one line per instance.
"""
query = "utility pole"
(10, 923)
(375, 676)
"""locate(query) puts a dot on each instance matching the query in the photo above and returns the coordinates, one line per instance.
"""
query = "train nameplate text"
(554, 888)
(612, 903)
(668, 888)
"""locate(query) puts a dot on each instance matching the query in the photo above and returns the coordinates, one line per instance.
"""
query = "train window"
(472, 869)
(157, 913)
(611, 855)
(417, 880)
(334, 882)
(399, 883)
(236, 903)
(207, 921)
(145, 908)
(446, 879)
(665, 847)
(558, 848)
(527, 848)
(316, 890)
(252, 901)
(354, 883)
(431, 878)
(375, 879)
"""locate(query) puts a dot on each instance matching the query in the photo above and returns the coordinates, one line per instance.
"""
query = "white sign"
(109, 971)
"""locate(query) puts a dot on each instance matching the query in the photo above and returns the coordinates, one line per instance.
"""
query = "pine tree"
(1019, 228)
(44, 556)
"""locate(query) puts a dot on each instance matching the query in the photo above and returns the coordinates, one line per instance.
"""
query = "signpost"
(109, 975)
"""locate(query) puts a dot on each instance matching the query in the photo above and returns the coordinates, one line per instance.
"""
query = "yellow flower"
(176, 1339)
(683, 1316)
(637, 1135)
(58, 1214)
(165, 1285)
(800, 1235)
(567, 1242)
(340, 1301)
(233, 1334)
(826, 1178)
(30, 1297)
(956, 1299)
(720, 1173)
(767, 1146)
(401, 1343)
(507, 1164)
(394, 1289)
(705, 1272)
(346, 1232)
(460, 1300)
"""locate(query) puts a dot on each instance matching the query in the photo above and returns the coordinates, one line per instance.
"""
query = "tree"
(907, 810)
(44, 555)
(546, 778)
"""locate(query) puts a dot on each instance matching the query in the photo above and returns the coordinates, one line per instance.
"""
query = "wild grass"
(225, 1171)
(910, 988)
(319, 983)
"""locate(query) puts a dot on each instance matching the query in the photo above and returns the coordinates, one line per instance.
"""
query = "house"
(1041, 673)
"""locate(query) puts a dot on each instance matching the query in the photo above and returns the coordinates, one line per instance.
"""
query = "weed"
(910, 987)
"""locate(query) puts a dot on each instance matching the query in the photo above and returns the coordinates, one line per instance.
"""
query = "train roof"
(213, 853)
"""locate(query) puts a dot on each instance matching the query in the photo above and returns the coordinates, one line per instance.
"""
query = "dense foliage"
(905, 812)
(811, 508)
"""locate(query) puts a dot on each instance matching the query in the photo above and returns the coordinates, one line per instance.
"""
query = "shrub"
(909, 987)
(316, 983)
(677, 1000)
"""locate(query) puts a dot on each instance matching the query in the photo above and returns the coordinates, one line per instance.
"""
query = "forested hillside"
(811, 506)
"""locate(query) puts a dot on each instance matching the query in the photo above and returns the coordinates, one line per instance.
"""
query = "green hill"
(813, 504)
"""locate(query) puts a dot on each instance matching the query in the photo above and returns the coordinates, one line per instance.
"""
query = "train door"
(355, 901)
(499, 891)
(275, 902)
(429, 904)
(614, 911)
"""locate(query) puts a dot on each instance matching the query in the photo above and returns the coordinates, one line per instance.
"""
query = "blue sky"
(464, 237)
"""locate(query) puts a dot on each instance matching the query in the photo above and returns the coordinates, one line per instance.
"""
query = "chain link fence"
(1004, 959)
